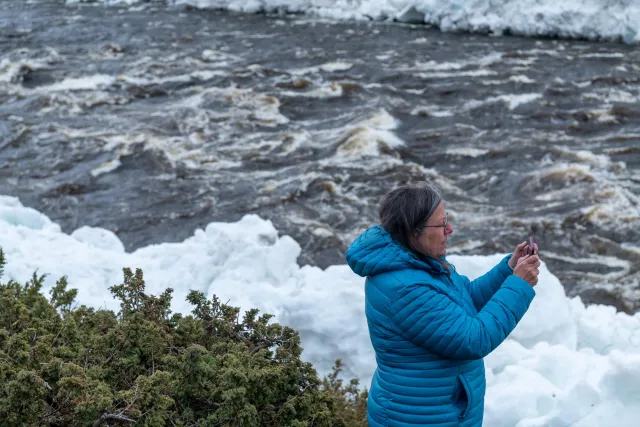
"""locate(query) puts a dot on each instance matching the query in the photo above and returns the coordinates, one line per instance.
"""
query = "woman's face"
(433, 239)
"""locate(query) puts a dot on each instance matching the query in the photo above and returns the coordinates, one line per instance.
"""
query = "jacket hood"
(375, 252)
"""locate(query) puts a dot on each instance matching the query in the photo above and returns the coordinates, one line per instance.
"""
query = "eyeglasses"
(444, 224)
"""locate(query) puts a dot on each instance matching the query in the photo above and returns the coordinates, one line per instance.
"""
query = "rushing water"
(152, 121)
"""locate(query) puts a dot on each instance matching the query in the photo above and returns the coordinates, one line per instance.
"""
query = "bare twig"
(112, 417)
(260, 347)
(135, 398)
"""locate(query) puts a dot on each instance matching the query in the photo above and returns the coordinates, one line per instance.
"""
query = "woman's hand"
(528, 269)
(521, 250)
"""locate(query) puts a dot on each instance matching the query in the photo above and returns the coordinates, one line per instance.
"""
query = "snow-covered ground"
(564, 365)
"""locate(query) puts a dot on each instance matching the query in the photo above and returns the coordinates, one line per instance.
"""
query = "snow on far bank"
(564, 365)
(590, 19)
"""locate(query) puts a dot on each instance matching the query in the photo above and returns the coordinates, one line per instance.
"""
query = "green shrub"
(62, 365)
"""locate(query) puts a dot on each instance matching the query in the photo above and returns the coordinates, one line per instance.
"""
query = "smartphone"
(531, 245)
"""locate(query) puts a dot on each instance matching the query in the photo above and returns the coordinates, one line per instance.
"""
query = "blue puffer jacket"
(430, 330)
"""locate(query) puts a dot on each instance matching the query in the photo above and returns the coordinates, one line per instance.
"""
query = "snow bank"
(591, 19)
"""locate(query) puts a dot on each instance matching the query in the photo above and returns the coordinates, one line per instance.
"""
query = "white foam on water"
(93, 82)
(329, 67)
(243, 105)
(325, 90)
(614, 55)
(370, 137)
(564, 365)
(596, 179)
(106, 167)
(467, 151)
(521, 79)
(20, 61)
(512, 101)
(430, 110)
(464, 73)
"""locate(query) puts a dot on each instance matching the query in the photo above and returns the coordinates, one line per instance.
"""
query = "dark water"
(153, 121)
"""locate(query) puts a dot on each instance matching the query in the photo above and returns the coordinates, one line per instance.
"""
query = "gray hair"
(404, 212)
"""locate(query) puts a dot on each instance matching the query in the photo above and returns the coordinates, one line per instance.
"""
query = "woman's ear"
(416, 242)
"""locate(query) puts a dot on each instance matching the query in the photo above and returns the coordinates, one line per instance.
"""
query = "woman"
(430, 326)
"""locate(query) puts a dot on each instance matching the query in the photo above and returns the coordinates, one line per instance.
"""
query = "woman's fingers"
(521, 249)
(528, 268)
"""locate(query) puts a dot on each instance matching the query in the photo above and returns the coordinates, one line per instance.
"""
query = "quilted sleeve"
(431, 319)
(483, 288)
